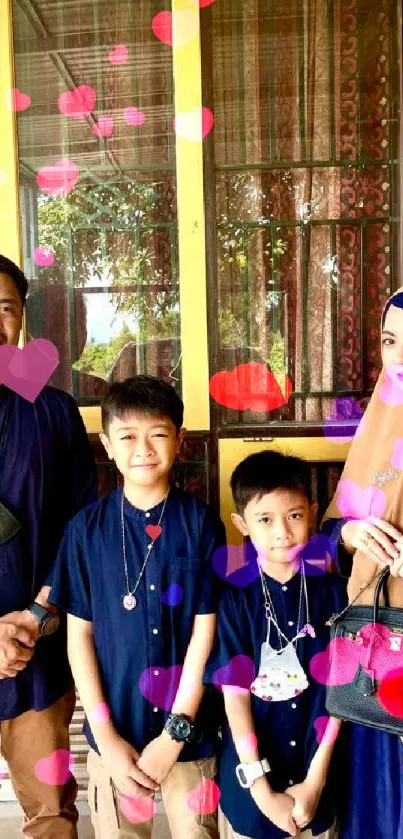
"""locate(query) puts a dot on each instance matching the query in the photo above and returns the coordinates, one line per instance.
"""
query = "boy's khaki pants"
(226, 831)
(110, 823)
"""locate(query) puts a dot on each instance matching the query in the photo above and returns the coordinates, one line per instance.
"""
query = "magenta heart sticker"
(137, 808)
(18, 101)
(153, 531)
(359, 503)
(176, 29)
(55, 769)
(204, 798)
(391, 392)
(119, 55)
(28, 370)
(132, 116)
(59, 179)
(159, 685)
(44, 257)
(77, 103)
(239, 674)
(100, 714)
(338, 664)
(327, 730)
(104, 127)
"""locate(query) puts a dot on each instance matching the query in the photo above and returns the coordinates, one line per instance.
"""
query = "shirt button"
(290, 783)
(284, 588)
(155, 631)
(148, 515)
(155, 710)
(156, 672)
(292, 743)
(152, 588)
(290, 623)
(293, 704)
(150, 546)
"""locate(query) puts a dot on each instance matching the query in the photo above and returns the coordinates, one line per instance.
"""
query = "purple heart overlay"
(159, 685)
(239, 672)
(236, 564)
(173, 596)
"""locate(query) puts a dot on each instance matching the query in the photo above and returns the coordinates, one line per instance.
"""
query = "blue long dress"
(370, 767)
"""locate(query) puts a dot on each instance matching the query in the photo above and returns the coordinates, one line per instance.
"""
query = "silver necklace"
(129, 599)
(272, 616)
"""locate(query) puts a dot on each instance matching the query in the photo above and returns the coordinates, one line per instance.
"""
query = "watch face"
(50, 625)
(242, 776)
(182, 729)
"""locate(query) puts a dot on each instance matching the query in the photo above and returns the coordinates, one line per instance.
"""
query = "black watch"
(48, 622)
(181, 729)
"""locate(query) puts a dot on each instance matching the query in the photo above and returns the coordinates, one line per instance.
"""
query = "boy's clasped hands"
(291, 810)
(139, 774)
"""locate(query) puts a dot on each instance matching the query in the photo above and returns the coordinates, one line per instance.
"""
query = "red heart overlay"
(153, 530)
(249, 387)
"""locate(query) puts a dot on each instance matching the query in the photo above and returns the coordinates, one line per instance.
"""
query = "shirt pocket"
(182, 590)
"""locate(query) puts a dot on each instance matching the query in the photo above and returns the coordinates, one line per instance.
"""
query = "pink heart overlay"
(77, 103)
(246, 745)
(204, 798)
(153, 531)
(59, 179)
(18, 101)
(327, 730)
(44, 257)
(340, 661)
(391, 392)
(55, 770)
(354, 502)
(119, 55)
(101, 713)
(137, 809)
(132, 116)
(104, 127)
(238, 674)
(176, 29)
(194, 125)
(28, 370)
(159, 685)
(397, 456)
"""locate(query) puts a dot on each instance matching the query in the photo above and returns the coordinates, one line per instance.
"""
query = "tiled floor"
(10, 824)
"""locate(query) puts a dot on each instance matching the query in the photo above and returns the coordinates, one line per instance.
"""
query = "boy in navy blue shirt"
(272, 770)
(134, 574)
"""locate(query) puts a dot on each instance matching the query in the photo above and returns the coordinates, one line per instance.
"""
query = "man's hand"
(24, 619)
(276, 806)
(120, 760)
(306, 797)
(159, 756)
(16, 646)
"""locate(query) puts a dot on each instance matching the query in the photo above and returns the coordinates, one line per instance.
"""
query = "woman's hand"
(376, 538)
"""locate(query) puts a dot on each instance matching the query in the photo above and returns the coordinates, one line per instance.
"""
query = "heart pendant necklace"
(130, 599)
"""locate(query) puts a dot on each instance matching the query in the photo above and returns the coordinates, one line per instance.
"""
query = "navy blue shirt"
(285, 730)
(47, 473)
(141, 652)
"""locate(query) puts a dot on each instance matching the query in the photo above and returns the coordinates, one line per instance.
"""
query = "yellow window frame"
(190, 208)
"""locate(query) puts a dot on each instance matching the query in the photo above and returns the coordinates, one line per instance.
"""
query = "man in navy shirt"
(278, 739)
(134, 573)
(47, 474)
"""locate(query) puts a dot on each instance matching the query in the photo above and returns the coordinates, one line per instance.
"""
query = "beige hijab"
(372, 479)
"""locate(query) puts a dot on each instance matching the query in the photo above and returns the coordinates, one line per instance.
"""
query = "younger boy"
(272, 770)
(134, 575)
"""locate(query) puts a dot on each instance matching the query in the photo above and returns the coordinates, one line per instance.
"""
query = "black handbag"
(357, 701)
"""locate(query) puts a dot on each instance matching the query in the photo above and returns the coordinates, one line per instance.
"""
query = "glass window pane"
(98, 189)
(305, 148)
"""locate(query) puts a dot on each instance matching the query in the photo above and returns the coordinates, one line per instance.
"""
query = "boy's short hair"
(16, 275)
(141, 395)
(269, 471)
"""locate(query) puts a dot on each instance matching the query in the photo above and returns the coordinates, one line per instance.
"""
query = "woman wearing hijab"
(365, 519)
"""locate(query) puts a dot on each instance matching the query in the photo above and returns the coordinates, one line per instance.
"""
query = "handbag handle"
(381, 587)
